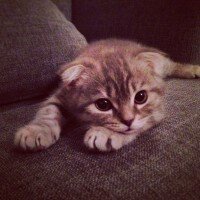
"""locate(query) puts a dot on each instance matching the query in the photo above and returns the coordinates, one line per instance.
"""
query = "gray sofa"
(163, 163)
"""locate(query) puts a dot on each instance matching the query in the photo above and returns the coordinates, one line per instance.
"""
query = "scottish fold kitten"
(115, 87)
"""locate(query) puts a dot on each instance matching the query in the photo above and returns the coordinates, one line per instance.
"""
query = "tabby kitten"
(115, 87)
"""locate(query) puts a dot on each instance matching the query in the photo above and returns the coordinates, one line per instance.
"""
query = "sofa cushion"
(163, 163)
(35, 39)
(64, 6)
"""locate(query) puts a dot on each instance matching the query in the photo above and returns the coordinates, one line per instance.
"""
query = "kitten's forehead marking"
(116, 83)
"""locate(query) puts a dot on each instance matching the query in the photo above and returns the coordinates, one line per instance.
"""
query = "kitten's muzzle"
(127, 132)
(128, 122)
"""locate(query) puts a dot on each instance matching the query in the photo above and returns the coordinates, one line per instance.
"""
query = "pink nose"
(128, 122)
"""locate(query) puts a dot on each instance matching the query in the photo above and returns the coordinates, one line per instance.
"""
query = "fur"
(115, 70)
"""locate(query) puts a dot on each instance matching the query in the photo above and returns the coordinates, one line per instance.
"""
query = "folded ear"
(160, 64)
(70, 72)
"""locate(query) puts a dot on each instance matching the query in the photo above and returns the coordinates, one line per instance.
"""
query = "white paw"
(98, 138)
(34, 137)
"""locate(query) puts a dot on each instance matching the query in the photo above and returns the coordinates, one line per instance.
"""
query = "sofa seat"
(163, 163)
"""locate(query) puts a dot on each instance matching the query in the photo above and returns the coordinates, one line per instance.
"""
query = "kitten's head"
(114, 88)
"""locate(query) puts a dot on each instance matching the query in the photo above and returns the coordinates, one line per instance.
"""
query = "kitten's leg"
(184, 70)
(102, 139)
(43, 131)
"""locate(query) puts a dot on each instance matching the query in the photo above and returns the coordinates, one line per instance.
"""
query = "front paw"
(102, 139)
(34, 137)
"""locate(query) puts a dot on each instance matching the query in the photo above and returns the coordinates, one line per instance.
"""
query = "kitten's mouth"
(127, 131)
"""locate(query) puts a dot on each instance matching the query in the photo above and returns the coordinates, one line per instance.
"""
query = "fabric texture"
(172, 26)
(35, 40)
(161, 164)
(64, 6)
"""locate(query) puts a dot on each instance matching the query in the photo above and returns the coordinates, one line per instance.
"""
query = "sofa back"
(172, 26)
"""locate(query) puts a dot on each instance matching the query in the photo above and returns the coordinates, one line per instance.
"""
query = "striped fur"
(111, 69)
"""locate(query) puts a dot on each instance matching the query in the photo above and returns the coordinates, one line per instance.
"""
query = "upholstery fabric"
(35, 39)
(161, 164)
(64, 6)
(172, 26)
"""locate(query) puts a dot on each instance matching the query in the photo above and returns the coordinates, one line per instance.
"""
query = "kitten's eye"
(103, 104)
(141, 97)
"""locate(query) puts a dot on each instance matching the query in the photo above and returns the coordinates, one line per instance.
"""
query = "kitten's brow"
(157, 90)
(98, 82)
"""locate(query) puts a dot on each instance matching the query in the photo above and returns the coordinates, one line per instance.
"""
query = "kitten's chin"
(124, 131)
(118, 129)
(129, 132)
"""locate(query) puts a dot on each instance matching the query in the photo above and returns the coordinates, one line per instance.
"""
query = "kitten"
(115, 87)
